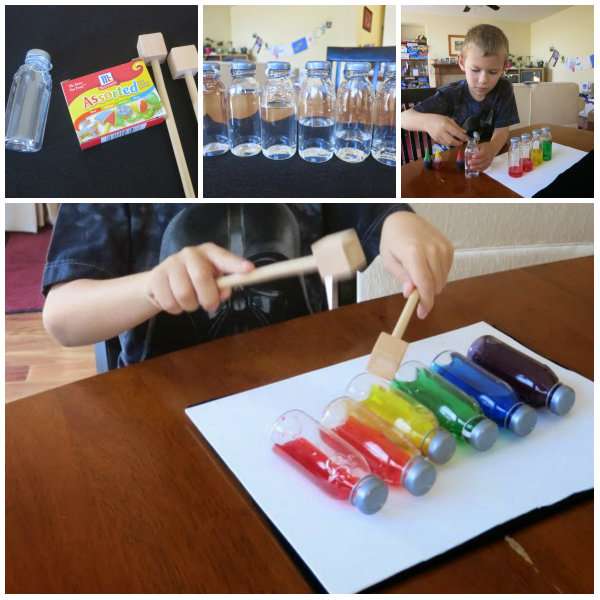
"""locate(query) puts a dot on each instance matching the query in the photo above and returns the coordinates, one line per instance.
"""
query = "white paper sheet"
(474, 492)
(530, 183)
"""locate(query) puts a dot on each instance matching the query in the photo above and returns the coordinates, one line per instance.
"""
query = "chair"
(339, 55)
(414, 143)
(107, 354)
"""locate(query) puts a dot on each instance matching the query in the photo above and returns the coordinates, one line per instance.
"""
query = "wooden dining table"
(111, 489)
(448, 182)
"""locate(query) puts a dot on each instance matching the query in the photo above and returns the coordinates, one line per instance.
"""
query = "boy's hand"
(444, 130)
(187, 280)
(416, 253)
(484, 157)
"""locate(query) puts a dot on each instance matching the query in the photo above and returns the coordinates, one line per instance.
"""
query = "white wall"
(389, 26)
(217, 23)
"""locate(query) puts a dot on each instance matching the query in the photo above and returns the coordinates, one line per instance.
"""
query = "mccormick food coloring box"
(111, 103)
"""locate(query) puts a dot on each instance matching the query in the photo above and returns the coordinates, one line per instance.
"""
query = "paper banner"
(289, 49)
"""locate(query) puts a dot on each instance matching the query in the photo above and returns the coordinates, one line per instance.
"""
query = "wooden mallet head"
(182, 61)
(151, 46)
(389, 350)
(339, 255)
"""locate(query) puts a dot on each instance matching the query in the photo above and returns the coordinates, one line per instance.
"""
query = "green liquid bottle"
(546, 144)
(456, 412)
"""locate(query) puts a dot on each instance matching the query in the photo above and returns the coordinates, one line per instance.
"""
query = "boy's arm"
(442, 129)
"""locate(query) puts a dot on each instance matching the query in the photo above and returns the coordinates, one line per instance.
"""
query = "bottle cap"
(476, 135)
(318, 65)
(278, 65)
(525, 136)
(36, 53)
(369, 495)
(441, 447)
(360, 67)
(562, 399)
(420, 476)
(242, 65)
(389, 69)
(484, 435)
(514, 140)
(523, 420)
(211, 68)
(546, 129)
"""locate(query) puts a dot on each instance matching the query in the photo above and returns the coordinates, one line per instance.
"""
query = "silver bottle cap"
(358, 67)
(37, 54)
(523, 420)
(278, 65)
(420, 476)
(441, 447)
(318, 65)
(484, 435)
(562, 400)
(211, 68)
(243, 66)
(370, 494)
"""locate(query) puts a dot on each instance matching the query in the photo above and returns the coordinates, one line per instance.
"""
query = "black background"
(81, 40)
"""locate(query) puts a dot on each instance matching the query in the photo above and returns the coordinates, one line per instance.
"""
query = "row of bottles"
(529, 151)
(318, 123)
(382, 433)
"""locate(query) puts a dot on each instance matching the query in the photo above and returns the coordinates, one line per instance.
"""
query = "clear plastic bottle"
(328, 460)
(384, 126)
(28, 103)
(390, 455)
(278, 112)
(316, 113)
(514, 158)
(244, 110)
(546, 144)
(470, 150)
(536, 148)
(354, 114)
(526, 162)
(215, 139)
(408, 416)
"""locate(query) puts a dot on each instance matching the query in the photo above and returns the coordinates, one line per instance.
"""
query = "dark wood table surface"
(110, 488)
(418, 182)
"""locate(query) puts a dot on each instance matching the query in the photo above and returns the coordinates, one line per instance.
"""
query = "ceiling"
(523, 14)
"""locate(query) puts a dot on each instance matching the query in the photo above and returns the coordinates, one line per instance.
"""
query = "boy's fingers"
(226, 261)
(162, 294)
(182, 287)
(202, 275)
(420, 273)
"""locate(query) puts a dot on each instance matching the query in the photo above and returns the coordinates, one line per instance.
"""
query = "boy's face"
(482, 72)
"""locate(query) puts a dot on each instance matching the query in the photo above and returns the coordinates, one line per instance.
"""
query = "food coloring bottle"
(328, 460)
(546, 144)
(534, 382)
(215, 139)
(514, 158)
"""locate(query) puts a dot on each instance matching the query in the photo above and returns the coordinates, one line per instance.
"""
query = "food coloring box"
(111, 103)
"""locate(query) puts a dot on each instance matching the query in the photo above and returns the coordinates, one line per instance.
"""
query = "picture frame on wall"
(455, 44)
(367, 21)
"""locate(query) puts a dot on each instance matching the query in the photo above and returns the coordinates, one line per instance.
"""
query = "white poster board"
(476, 491)
(542, 176)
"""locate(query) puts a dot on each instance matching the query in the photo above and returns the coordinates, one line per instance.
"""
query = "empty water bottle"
(28, 103)
(384, 126)
(215, 139)
(278, 112)
(354, 114)
(316, 113)
(243, 105)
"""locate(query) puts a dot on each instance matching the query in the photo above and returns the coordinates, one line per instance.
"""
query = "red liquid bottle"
(526, 162)
(534, 382)
(328, 460)
(514, 158)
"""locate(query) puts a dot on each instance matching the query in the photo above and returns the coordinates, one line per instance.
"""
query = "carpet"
(25, 256)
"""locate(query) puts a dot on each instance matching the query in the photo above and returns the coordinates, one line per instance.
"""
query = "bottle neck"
(41, 63)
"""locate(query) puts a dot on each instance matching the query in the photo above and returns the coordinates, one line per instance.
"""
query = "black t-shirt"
(105, 241)
(497, 109)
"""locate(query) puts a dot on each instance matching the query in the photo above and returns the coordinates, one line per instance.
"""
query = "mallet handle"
(406, 314)
(278, 270)
(193, 90)
(186, 180)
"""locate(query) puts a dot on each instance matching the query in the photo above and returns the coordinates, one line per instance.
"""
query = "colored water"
(215, 140)
(352, 141)
(244, 135)
(316, 139)
(279, 130)
(516, 171)
(547, 150)
(526, 165)
(536, 157)
(384, 145)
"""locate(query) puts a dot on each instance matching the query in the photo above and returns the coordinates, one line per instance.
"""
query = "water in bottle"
(535, 383)
(546, 144)
(514, 158)
(316, 112)
(328, 460)
(243, 109)
(536, 148)
(384, 126)
(278, 112)
(526, 162)
(354, 114)
(28, 103)
(471, 150)
(215, 139)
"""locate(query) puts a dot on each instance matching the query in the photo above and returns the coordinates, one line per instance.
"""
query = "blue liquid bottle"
(498, 400)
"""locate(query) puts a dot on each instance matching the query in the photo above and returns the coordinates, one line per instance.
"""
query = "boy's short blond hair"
(489, 39)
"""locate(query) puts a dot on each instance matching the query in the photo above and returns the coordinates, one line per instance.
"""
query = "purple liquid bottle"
(535, 383)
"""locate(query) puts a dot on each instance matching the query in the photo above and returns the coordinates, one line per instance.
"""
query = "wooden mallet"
(151, 47)
(338, 255)
(183, 63)
(389, 350)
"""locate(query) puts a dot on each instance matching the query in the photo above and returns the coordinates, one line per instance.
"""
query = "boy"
(147, 272)
(482, 102)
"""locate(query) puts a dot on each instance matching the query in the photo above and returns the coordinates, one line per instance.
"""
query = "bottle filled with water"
(243, 106)
(278, 112)
(384, 126)
(316, 113)
(471, 149)
(28, 103)
(354, 114)
(215, 139)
